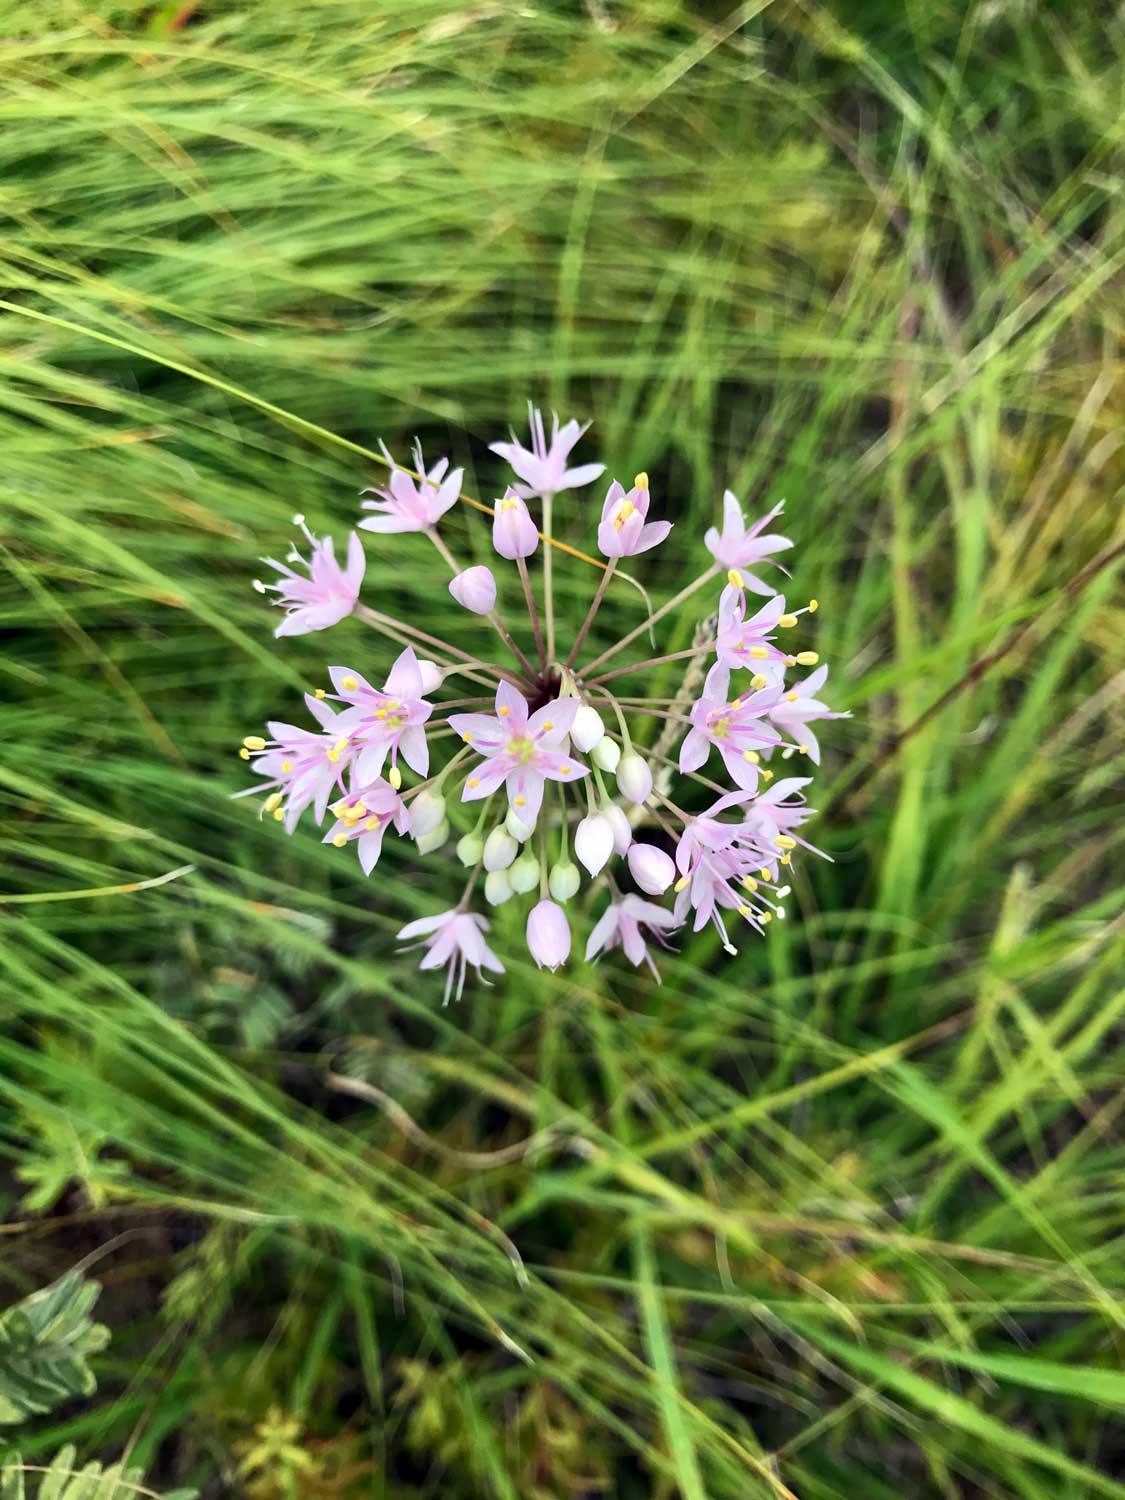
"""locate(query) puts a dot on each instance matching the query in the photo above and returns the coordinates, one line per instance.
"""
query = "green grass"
(841, 1217)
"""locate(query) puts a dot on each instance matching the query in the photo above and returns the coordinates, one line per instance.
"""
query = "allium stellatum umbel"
(548, 762)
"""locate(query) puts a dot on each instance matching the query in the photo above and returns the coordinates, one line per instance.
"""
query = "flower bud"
(469, 849)
(500, 849)
(432, 676)
(587, 729)
(652, 869)
(564, 880)
(514, 533)
(434, 839)
(497, 888)
(516, 826)
(524, 874)
(622, 829)
(606, 754)
(593, 841)
(548, 935)
(427, 810)
(634, 778)
(475, 588)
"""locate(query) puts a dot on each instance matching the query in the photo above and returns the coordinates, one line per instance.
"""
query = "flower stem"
(492, 617)
(549, 577)
(673, 603)
(521, 564)
(653, 661)
(603, 584)
(406, 635)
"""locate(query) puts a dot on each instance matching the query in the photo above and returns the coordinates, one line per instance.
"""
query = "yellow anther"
(505, 711)
(787, 620)
(759, 653)
(349, 684)
(272, 801)
(765, 874)
(278, 814)
(749, 883)
(744, 911)
(333, 755)
(371, 823)
(767, 775)
(319, 693)
(752, 756)
(807, 658)
(565, 770)
(735, 706)
(509, 504)
(254, 742)
(520, 801)
(340, 840)
(785, 842)
(786, 859)
(790, 661)
(734, 578)
(792, 697)
(394, 776)
(467, 736)
(341, 743)
(682, 884)
(804, 749)
(622, 514)
(360, 809)
(381, 713)
(547, 725)
(641, 481)
(757, 681)
(474, 781)
(286, 765)
(813, 606)
(766, 917)
(244, 754)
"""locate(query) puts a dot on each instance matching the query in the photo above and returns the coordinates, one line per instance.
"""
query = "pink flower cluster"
(556, 777)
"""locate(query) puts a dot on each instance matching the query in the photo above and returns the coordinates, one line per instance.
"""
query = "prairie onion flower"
(543, 768)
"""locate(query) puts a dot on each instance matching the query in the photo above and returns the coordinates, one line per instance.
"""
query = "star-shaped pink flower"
(387, 720)
(542, 467)
(735, 727)
(741, 547)
(521, 750)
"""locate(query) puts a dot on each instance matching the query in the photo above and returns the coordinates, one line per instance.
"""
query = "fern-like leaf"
(63, 1480)
(45, 1342)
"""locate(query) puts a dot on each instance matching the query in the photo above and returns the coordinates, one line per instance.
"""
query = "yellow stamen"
(682, 884)
(254, 742)
(759, 653)
(244, 754)
(340, 840)
(767, 775)
(371, 824)
(641, 481)
(467, 737)
(622, 514)
(786, 859)
(765, 874)
(752, 756)
(509, 504)
(521, 801)
(565, 770)
(790, 661)
(813, 606)
(735, 706)
(792, 697)
(286, 765)
(319, 693)
(394, 776)
(804, 749)
(785, 842)
(734, 578)
(349, 684)
(272, 801)
(787, 621)
(749, 883)
(333, 755)
(360, 809)
(278, 814)
(547, 724)
(766, 917)
(474, 781)
(807, 658)
(505, 711)
(744, 911)
(341, 743)
(757, 681)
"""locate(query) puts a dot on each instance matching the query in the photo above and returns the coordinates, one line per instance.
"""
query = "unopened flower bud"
(475, 588)
(497, 888)
(434, 839)
(469, 849)
(524, 874)
(564, 880)
(634, 778)
(500, 849)
(516, 826)
(622, 831)
(651, 868)
(593, 841)
(514, 533)
(606, 754)
(427, 811)
(587, 729)
(548, 935)
(432, 676)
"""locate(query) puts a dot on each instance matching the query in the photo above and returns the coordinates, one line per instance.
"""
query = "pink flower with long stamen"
(621, 923)
(623, 531)
(408, 504)
(363, 817)
(456, 939)
(329, 593)
(735, 727)
(388, 720)
(542, 467)
(302, 767)
(740, 547)
(522, 751)
(799, 708)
